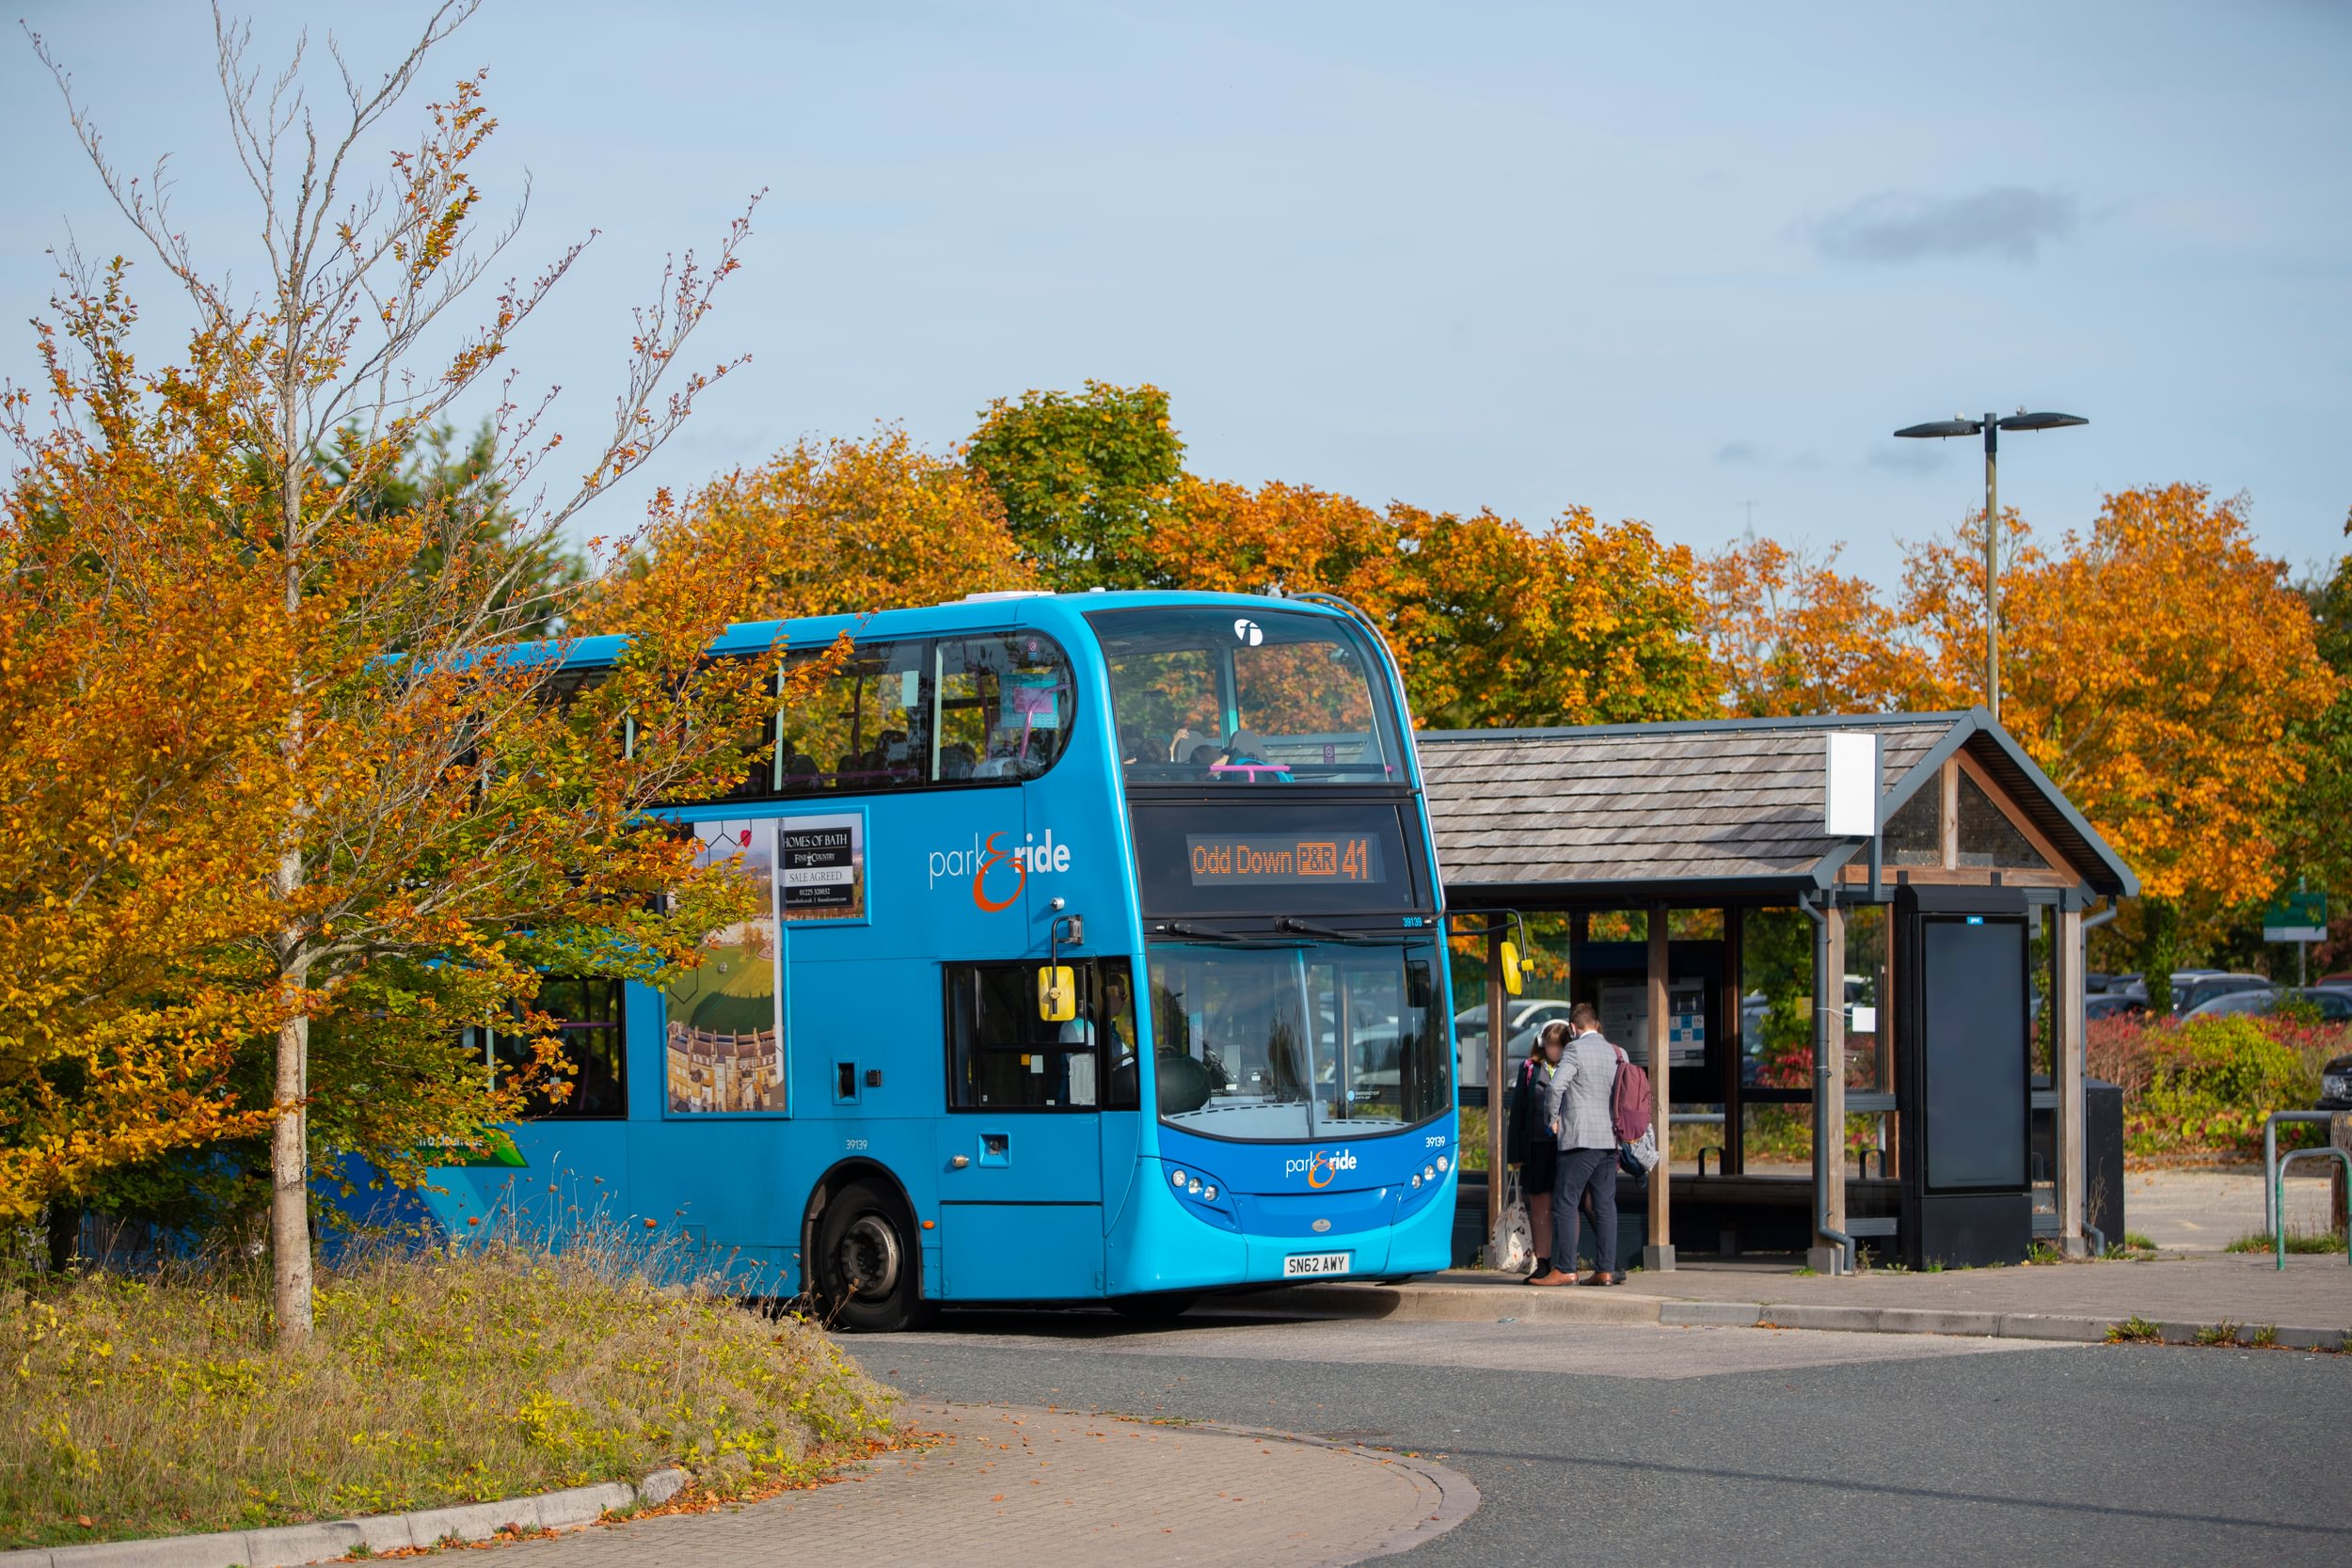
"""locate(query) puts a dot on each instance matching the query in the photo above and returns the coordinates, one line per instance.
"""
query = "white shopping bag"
(1645, 1149)
(1512, 1247)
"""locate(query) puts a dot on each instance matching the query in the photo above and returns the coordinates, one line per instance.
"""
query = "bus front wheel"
(869, 1265)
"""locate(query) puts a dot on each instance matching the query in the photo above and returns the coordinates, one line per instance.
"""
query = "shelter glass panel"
(1776, 1000)
(1987, 837)
(1915, 834)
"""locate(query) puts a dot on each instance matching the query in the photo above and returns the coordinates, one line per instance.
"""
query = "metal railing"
(2274, 1204)
(2279, 1196)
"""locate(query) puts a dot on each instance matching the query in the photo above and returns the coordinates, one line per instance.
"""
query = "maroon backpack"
(1630, 1103)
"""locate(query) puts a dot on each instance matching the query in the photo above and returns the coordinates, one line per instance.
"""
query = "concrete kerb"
(1448, 1495)
(1414, 1302)
(291, 1544)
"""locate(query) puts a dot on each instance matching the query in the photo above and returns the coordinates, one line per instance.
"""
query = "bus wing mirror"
(1513, 981)
(1056, 993)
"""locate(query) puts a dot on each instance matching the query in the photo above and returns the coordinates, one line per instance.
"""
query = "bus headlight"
(1208, 1195)
(1442, 1164)
(1194, 1189)
(1176, 1179)
(1429, 1173)
(1416, 1183)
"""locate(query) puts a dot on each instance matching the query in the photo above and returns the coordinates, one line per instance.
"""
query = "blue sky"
(1689, 264)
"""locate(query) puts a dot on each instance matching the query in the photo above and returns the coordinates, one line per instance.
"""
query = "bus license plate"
(1304, 1264)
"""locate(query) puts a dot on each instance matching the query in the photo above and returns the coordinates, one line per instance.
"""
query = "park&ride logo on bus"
(1319, 1167)
(999, 875)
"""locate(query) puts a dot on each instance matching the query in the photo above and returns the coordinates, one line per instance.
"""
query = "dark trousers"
(1583, 1171)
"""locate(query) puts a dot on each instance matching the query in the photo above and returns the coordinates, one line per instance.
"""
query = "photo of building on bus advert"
(725, 1042)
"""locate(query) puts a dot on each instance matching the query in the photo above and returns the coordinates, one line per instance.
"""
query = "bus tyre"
(869, 1265)
(1159, 1307)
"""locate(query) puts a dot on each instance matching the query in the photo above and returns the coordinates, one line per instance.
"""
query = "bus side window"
(867, 728)
(1002, 1056)
(1004, 706)
(591, 1022)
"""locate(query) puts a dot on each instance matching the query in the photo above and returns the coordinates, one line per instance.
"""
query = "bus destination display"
(1290, 860)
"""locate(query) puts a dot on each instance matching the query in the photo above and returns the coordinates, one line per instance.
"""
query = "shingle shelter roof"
(1691, 809)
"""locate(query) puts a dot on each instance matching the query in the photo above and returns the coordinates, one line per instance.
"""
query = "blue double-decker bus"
(1104, 961)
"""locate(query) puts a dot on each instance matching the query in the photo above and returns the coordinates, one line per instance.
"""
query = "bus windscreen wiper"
(1326, 933)
(1196, 933)
(1203, 933)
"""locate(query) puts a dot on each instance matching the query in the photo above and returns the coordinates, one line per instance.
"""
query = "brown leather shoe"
(1603, 1279)
(1554, 1277)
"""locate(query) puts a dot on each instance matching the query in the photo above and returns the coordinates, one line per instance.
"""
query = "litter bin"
(2102, 1158)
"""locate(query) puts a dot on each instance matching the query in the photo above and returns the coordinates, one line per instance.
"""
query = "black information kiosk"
(1964, 984)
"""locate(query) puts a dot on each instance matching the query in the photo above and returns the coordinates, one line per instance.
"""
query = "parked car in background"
(2333, 1002)
(2335, 1085)
(1522, 1018)
(2115, 1003)
(2208, 984)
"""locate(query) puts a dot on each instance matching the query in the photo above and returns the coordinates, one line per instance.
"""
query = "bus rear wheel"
(868, 1267)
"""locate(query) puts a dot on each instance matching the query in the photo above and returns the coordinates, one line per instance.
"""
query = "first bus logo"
(1319, 1168)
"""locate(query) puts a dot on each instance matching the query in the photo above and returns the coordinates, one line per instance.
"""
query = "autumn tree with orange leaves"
(1791, 634)
(2159, 668)
(831, 529)
(392, 825)
(1573, 623)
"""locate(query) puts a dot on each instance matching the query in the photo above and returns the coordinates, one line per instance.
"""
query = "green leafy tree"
(456, 493)
(2318, 841)
(1083, 478)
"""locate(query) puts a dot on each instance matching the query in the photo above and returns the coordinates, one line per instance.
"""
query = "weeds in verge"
(2299, 1242)
(157, 1406)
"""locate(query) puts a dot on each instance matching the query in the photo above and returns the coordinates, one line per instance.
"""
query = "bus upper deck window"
(867, 728)
(1005, 701)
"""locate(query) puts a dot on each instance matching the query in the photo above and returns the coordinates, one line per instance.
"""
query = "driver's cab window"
(1001, 1055)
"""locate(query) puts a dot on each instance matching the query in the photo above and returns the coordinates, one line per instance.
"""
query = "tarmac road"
(1597, 1443)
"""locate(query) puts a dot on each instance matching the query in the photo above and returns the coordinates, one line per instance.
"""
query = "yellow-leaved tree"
(1493, 624)
(1791, 634)
(831, 529)
(2158, 667)
(395, 824)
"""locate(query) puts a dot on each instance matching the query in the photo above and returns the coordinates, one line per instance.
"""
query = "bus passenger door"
(1020, 1149)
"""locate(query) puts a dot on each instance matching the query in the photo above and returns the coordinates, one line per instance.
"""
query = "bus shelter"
(1869, 1040)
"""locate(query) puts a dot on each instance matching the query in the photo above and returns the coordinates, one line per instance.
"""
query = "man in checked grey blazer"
(1577, 1112)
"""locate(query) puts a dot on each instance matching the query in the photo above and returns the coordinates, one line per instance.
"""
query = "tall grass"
(152, 1406)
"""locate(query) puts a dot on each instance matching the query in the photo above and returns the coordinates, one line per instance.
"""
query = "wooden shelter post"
(1829, 1088)
(1735, 1043)
(2066, 1072)
(1496, 1074)
(1658, 1255)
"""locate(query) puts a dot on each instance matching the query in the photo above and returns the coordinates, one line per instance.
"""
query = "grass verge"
(2298, 1242)
(138, 1407)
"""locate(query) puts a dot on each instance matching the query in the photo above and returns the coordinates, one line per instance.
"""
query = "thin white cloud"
(1895, 226)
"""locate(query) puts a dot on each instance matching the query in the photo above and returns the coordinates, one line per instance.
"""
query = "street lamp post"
(1991, 428)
